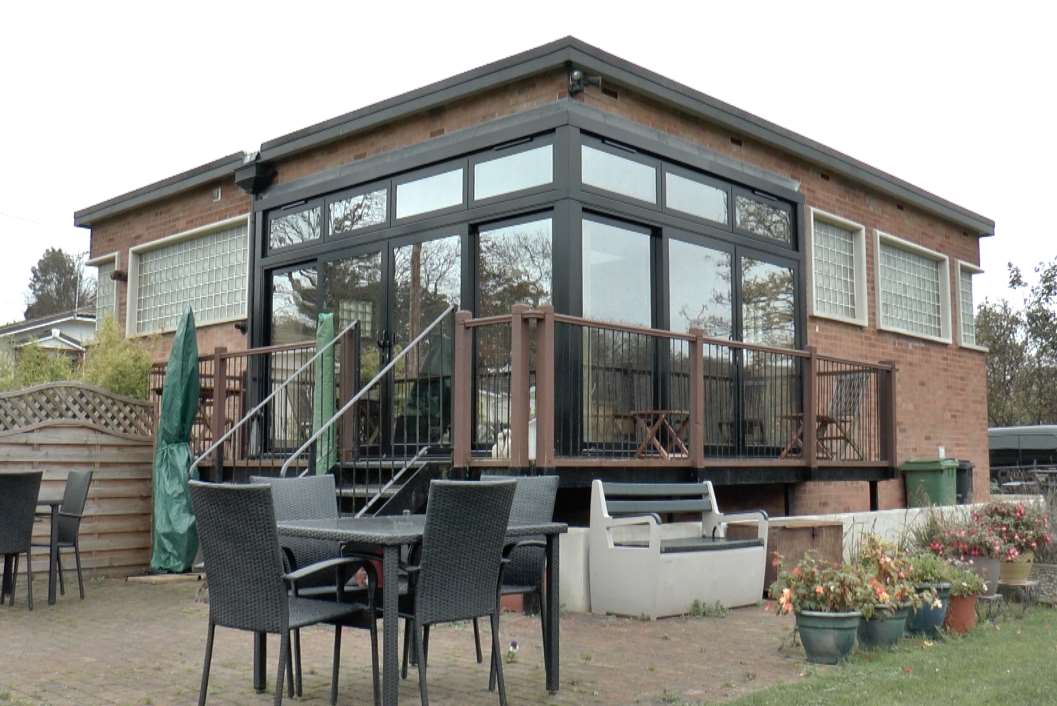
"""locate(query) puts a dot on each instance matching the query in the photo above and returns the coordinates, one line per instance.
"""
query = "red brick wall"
(941, 392)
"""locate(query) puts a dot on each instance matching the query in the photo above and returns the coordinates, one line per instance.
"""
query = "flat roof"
(569, 53)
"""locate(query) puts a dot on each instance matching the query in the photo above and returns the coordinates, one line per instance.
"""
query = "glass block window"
(911, 292)
(206, 273)
(834, 270)
(105, 289)
(966, 310)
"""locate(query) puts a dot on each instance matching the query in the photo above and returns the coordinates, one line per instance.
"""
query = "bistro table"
(390, 533)
(54, 502)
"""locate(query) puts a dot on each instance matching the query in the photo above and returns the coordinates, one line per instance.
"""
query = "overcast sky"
(103, 98)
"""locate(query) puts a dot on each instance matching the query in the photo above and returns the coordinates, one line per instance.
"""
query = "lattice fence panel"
(72, 401)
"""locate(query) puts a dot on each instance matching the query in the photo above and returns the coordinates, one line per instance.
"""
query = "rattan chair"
(459, 565)
(67, 535)
(248, 584)
(18, 502)
(309, 498)
(533, 503)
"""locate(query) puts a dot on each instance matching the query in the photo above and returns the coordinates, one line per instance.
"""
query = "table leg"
(553, 607)
(390, 626)
(5, 585)
(53, 550)
(260, 656)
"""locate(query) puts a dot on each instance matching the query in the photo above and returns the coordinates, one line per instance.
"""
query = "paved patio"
(134, 644)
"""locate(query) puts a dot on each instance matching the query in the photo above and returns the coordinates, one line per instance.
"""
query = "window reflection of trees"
(293, 228)
(763, 219)
(358, 211)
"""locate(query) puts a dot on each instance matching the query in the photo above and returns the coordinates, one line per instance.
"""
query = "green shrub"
(35, 365)
(116, 363)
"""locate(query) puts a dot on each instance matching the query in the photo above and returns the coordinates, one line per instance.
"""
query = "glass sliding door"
(354, 285)
(426, 279)
(294, 294)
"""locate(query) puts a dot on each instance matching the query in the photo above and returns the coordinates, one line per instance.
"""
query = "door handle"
(383, 339)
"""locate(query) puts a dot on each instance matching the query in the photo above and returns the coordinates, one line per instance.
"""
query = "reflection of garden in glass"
(289, 229)
(358, 211)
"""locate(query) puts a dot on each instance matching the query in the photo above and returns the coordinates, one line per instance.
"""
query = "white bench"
(642, 565)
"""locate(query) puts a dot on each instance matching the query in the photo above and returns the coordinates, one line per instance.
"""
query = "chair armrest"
(629, 520)
(73, 515)
(511, 547)
(759, 516)
(295, 576)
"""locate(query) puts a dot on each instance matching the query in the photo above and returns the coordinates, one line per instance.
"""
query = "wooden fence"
(61, 427)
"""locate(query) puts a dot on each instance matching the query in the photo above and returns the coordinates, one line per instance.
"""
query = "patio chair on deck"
(18, 501)
(833, 426)
(71, 511)
(248, 584)
(459, 567)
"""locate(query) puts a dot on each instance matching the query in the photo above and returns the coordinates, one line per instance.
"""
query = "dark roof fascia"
(218, 168)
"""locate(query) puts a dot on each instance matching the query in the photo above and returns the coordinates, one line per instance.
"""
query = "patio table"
(390, 534)
(54, 502)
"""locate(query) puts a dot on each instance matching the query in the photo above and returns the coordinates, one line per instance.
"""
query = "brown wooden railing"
(558, 390)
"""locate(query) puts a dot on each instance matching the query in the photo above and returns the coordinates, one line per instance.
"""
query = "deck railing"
(559, 390)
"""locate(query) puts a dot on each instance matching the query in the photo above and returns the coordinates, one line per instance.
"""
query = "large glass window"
(430, 193)
(768, 219)
(514, 266)
(427, 278)
(105, 289)
(618, 174)
(513, 172)
(768, 303)
(912, 290)
(617, 282)
(295, 293)
(357, 211)
(206, 273)
(966, 310)
(697, 197)
(700, 289)
(294, 227)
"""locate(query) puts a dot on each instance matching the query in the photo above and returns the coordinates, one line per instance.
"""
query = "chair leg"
(337, 662)
(284, 665)
(290, 666)
(29, 576)
(80, 576)
(374, 664)
(420, 652)
(297, 662)
(496, 659)
(477, 641)
(205, 667)
(58, 568)
(407, 646)
(424, 654)
(14, 580)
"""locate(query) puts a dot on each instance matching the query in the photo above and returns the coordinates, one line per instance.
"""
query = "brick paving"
(132, 644)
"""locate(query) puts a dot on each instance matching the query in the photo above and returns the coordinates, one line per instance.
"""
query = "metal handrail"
(392, 481)
(363, 390)
(217, 443)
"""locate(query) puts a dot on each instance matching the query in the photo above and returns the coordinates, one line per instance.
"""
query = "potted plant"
(889, 596)
(974, 544)
(966, 586)
(825, 599)
(930, 575)
(1023, 529)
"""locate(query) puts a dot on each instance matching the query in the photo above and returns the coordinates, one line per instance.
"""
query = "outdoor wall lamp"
(578, 81)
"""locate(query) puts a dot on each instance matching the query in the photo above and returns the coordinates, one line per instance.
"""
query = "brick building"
(652, 204)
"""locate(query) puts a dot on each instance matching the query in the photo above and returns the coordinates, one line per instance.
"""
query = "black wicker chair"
(460, 563)
(309, 498)
(248, 585)
(18, 503)
(523, 575)
(71, 511)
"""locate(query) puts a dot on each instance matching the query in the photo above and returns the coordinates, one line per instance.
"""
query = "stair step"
(367, 491)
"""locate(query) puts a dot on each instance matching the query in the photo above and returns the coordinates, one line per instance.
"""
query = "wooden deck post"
(890, 441)
(697, 399)
(348, 386)
(462, 388)
(545, 388)
(810, 413)
(220, 398)
(519, 387)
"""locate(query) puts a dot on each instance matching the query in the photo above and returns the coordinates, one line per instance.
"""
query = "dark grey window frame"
(289, 210)
(425, 173)
(628, 152)
(475, 246)
(367, 188)
(701, 178)
(763, 197)
(506, 149)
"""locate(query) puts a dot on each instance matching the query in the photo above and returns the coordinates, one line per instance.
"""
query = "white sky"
(101, 98)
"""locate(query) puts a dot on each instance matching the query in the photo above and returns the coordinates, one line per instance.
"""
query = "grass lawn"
(1011, 664)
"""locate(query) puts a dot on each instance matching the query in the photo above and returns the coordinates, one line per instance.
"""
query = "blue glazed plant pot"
(928, 620)
(828, 638)
(884, 629)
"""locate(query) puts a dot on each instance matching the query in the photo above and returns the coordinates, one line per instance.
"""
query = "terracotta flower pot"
(961, 614)
(1018, 570)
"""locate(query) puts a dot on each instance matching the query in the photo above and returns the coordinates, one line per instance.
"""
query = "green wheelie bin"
(930, 481)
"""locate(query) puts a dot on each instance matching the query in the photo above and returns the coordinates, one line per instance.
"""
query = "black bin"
(964, 482)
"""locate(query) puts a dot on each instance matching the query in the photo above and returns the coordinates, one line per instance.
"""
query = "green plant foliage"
(35, 365)
(116, 363)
